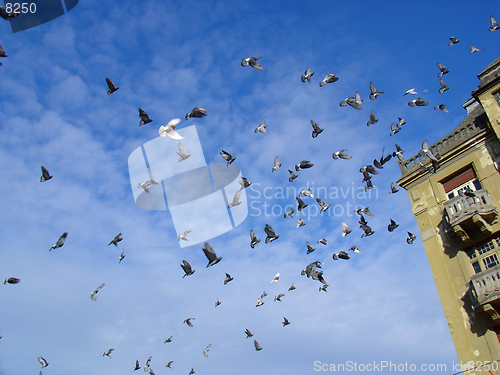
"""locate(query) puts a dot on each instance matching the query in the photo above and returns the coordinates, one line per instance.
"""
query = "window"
(490, 261)
(497, 97)
(455, 185)
(476, 267)
(485, 255)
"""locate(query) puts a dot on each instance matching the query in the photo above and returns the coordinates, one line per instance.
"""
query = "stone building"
(457, 207)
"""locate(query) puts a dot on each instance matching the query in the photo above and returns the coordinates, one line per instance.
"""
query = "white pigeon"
(182, 236)
(205, 352)
(236, 200)
(261, 128)
(411, 91)
(475, 49)
(277, 164)
(182, 153)
(276, 278)
(329, 78)
(169, 129)
(146, 184)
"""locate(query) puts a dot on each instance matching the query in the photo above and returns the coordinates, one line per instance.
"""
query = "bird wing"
(343, 155)
(186, 266)
(236, 198)
(110, 83)
(209, 252)
(269, 231)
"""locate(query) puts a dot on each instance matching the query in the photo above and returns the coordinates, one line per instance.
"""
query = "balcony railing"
(459, 209)
(486, 286)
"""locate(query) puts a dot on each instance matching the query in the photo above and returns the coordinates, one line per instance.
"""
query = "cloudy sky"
(381, 306)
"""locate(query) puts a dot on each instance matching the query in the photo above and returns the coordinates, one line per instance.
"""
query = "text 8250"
(18, 8)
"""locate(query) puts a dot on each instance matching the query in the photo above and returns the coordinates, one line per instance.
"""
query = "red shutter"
(462, 178)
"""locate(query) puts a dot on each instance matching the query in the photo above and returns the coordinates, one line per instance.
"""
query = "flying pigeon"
(7, 16)
(475, 49)
(188, 321)
(341, 255)
(43, 362)
(301, 204)
(259, 303)
(379, 163)
(144, 118)
(252, 61)
(345, 229)
(107, 353)
(146, 184)
(300, 223)
(115, 240)
(393, 225)
(257, 346)
(191, 372)
(292, 287)
(60, 241)
(227, 156)
(355, 249)
(122, 256)
(453, 41)
(244, 183)
(310, 249)
(364, 211)
(494, 24)
(183, 155)
(11, 280)
(293, 176)
(395, 129)
(254, 240)
(322, 241)
(285, 321)
(411, 238)
(217, 303)
(236, 200)
(45, 175)
(399, 154)
(432, 155)
(304, 164)
(277, 164)
(374, 93)
(168, 340)
(442, 70)
(341, 154)
(271, 236)
(261, 128)
(182, 236)
(248, 333)
(205, 352)
(442, 107)
(169, 364)
(307, 76)
(401, 121)
(368, 231)
(93, 295)
(410, 91)
(311, 271)
(211, 256)
(393, 188)
(372, 120)
(2, 53)
(444, 86)
(316, 129)
(323, 288)
(137, 366)
(111, 86)
(323, 205)
(354, 101)
(366, 171)
(196, 112)
(146, 366)
(276, 278)
(329, 78)
(289, 212)
(418, 102)
(228, 278)
(278, 297)
(263, 294)
(186, 268)
(169, 129)
(306, 192)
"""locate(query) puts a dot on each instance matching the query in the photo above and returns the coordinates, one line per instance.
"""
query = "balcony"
(470, 218)
(485, 292)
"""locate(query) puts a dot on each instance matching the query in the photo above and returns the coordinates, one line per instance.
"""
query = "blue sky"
(168, 57)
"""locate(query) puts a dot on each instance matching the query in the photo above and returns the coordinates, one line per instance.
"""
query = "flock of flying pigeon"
(312, 270)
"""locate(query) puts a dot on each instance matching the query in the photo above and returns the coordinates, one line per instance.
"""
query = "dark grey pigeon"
(252, 61)
(393, 188)
(323, 204)
(293, 176)
(444, 86)
(372, 120)
(60, 241)
(210, 254)
(368, 231)
(395, 129)
(2, 52)
(419, 102)
(228, 278)
(442, 70)
(399, 154)
(289, 213)
(411, 238)
(278, 297)
(254, 240)
(227, 156)
(7, 16)
(188, 321)
(316, 129)
(393, 225)
(310, 249)
(354, 101)
(144, 118)
(186, 267)
(374, 93)
(304, 164)
(115, 240)
(301, 204)
(271, 236)
(196, 112)
(453, 41)
(45, 175)
(248, 333)
(341, 154)
(442, 107)
(329, 78)
(257, 346)
(285, 321)
(111, 86)
(307, 76)
(341, 255)
(137, 366)
(323, 288)
(12, 280)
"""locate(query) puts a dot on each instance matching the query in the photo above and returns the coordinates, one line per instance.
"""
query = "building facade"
(457, 208)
